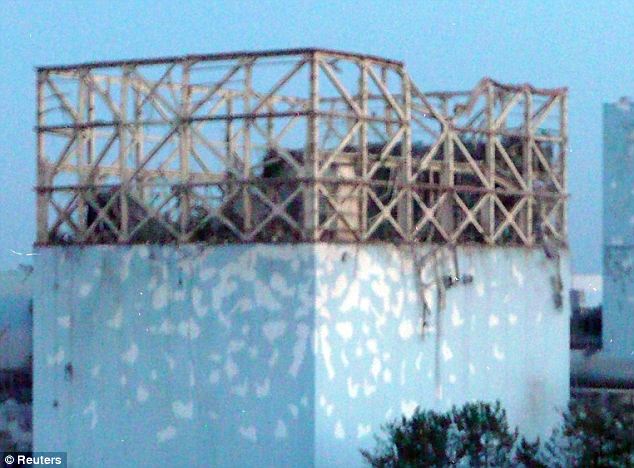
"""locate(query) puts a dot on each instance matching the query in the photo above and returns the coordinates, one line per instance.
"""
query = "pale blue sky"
(586, 46)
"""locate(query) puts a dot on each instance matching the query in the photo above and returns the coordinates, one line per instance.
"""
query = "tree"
(594, 432)
(475, 434)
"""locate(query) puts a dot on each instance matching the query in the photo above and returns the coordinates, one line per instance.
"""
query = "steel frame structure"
(299, 145)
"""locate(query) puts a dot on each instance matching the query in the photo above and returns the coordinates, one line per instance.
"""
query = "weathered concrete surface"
(618, 229)
(499, 337)
(283, 355)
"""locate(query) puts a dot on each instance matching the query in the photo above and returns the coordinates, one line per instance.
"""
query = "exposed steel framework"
(293, 145)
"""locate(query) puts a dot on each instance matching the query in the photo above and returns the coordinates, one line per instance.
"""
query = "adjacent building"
(618, 229)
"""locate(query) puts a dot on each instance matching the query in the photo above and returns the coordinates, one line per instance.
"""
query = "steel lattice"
(293, 146)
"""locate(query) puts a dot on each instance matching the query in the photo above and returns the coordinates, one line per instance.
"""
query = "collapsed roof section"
(298, 145)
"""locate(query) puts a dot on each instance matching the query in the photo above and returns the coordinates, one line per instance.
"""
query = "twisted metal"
(298, 145)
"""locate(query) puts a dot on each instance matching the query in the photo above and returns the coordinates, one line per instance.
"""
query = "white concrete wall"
(203, 354)
(161, 356)
(500, 337)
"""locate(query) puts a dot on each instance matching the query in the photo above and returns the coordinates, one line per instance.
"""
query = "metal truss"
(297, 145)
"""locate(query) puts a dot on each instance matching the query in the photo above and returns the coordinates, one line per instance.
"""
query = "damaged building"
(265, 256)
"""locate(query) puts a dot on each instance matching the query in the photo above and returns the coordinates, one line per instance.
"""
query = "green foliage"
(476, 434)
(595, 432)
(529, 454)
(484, 435)
(423, 437)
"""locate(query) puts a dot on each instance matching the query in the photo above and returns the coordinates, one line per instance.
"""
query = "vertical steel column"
(563, 154)
(387, 108)
(123, 167)
(246, 159)
(184, 149)
(527, 170)
(138, 139)
(43, 196)
(446, 214)
(83, 141)
(363, 147)
(229, 146)
(90, 144)
(405, 210)
(488, 217)
(311, 161)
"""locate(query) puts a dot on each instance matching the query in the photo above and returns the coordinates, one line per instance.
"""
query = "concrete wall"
(282, 355)
(198, 357)
(15, 319)
(618, 229)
